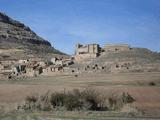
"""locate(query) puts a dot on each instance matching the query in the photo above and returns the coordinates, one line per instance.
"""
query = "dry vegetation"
(111, 94)
(88, 99)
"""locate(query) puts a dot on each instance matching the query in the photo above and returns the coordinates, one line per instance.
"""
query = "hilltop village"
(56, 65)
(84, 60)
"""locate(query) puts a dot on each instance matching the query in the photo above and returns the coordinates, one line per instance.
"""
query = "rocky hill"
(139, 55)
(19, 41)
(133, 60)
(130, 60)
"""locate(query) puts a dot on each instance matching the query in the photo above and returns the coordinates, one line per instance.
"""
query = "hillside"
(18, 41)
(139, 55)
(133, 60)
(130, 60)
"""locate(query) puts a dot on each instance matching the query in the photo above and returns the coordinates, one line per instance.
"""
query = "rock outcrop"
(17, 36)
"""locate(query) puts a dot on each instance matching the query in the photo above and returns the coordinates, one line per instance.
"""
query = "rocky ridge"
(14, 35)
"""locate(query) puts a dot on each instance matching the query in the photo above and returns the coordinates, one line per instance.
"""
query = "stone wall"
(85, 49)
(118, 47)
(83, 57)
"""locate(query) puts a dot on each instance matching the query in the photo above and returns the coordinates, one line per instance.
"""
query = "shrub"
(112, 103)
(57, 99)
(89, 99)
(76, 75)
(127, 98)
(31, 99)
(152, 84)
(30, 103)
(116, 101)
(44, 102)
(72, 102)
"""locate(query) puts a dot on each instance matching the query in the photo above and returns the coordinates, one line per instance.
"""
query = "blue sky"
(67, 22)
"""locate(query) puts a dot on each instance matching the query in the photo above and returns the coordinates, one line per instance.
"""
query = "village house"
(56, 68)
(18, 69)
(62, 61)
(6, 68)
(68, 61)
(23, 61)
(33, 70)
(30, 70)
(38, 70)
(42, 63)
(6, 71)
(57, 61)
(5, 75)
(53, 69)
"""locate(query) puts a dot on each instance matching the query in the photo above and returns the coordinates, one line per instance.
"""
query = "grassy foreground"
(66, 115)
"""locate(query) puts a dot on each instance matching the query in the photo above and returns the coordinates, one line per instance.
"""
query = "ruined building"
(117, 47)
(86, 51)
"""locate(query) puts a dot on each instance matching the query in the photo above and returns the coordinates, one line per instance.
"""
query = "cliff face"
(15, 35)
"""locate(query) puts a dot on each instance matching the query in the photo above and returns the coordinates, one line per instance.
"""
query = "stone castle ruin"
(86, 51)
(91, 51)
(118, 47)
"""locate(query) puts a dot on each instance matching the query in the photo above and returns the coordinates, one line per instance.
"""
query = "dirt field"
(137, 84)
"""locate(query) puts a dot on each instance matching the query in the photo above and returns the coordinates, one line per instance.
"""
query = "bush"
(88, 99)
(117, 101)
(30, 103)
(127, 98)
(152, 84)
(44, 102)
(72, 102)
(31, 99)
(57, 99)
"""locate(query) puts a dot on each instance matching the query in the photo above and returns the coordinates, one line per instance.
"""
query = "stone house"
(53, 69)
(38, 70)
(19, 69)
(6, 68)
(57, 61)
(62, 61)
(68, 61)
(23, 61)
(42, 63)
(30, 70)
(33, 70)
(56, 68)
(5, 75)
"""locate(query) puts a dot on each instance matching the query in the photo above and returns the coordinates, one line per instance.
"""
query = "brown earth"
(137, 84)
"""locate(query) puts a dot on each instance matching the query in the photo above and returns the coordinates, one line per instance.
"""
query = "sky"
(65, 23)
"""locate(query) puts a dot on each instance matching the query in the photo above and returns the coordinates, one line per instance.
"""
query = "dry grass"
(12, 92)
